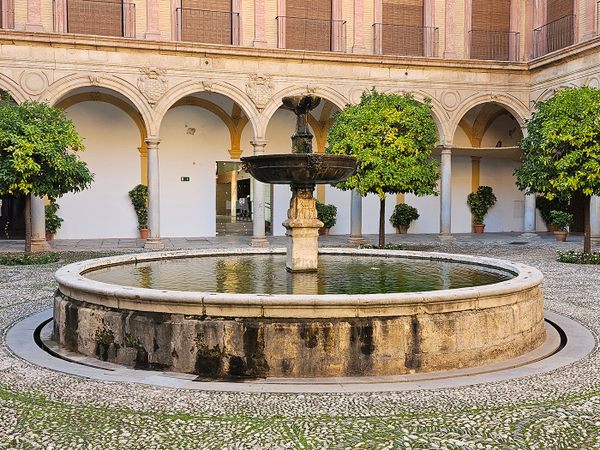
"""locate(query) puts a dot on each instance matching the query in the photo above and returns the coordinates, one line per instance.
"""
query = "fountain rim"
(73, 283)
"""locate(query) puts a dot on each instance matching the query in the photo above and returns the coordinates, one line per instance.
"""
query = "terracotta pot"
(323, 231)
(144, 233)
(478, 228)
(49, 236)
(560, 235)
(401, 229)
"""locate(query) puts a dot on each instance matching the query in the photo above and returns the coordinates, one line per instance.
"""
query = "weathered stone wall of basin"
(220, 335)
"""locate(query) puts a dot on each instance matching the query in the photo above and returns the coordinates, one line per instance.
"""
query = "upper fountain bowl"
(300, 168)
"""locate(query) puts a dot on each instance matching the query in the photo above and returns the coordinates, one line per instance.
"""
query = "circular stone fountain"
(247, 317)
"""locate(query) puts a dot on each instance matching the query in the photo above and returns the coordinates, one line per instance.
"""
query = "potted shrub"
(326, 214)
(479, 203)
(547, 206)
(53, 221)
(402, 217)
(561, 220)
(139, 200)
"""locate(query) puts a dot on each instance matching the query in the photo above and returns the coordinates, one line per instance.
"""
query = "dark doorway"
(12, 217)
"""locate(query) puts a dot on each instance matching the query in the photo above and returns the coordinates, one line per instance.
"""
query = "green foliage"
(326, 214)
(561, 153)
(480, 202)
(561, 219)
(403, 215)
(392, 137)
(579, 258)
(38, 151)
(546, 206)
(28, 259)
(53, 221)
(139, 200)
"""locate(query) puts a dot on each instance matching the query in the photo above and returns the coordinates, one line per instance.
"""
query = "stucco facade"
(155, 109)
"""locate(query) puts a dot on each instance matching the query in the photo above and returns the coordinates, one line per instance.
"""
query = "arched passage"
(486, 153)
(118, 159)
(203, 134)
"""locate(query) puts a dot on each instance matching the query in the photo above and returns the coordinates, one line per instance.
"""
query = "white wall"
(507, 213)
(341, 199)
(189, 208)
(112, 140)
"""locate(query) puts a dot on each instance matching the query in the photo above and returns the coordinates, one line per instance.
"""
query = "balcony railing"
(405, 40)
(494, 45)
(554, 36)
(100, 17)
(301, 33)
(209, 27)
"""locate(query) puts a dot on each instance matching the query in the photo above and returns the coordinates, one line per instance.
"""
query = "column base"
(154, 244)
(34, 27)
(356, 240)
(260, 44)
(39, 246)
(153, 36)
(259, 242)
(446, 237)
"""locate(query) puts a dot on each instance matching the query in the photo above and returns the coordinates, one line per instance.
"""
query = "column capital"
(259, 145)
(152, 141)
(447, 149)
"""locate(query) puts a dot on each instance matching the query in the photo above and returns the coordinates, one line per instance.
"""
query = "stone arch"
(274, 104)
(182, 90)
(62, 88)
(13, 89)
(508, 102)
(438, 112)
(71, 100)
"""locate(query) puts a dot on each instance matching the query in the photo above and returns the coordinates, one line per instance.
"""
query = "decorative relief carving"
(260, 89)
(207, 85)
(451, 100)
(33, 82)
(94, 79)
(153, 84)
(592, 82)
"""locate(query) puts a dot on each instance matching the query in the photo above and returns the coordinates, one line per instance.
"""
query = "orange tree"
(38, 146)
(561, 153)
(392, 137)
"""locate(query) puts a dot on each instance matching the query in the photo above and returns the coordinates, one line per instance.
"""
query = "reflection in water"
(266, 274)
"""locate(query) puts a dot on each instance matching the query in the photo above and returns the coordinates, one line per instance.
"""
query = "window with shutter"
(208, 21)
(490, 29)
(402, 31)
(98, 17)
(560, 27)
(308, 24)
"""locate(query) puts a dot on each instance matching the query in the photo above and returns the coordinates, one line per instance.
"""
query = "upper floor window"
(208, 21)
(490, 35)
(402, 29)
(309, 25)
(100, 17)
(559, 29)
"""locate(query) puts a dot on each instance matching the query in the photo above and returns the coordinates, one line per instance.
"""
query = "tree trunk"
(382, 222)
(587, 230)
(28, 223)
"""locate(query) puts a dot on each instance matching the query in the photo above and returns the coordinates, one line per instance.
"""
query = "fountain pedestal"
(302, 230)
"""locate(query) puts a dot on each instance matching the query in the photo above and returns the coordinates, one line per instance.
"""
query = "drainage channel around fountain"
(567, 342)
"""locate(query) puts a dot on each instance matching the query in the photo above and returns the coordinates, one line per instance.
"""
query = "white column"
(446, 192)
(153, 241)
(529, 216)
(258, 202)
(38, 225)
(356, 237)
(595, 219)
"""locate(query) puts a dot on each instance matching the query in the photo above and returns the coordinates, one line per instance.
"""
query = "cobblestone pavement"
(40, 408)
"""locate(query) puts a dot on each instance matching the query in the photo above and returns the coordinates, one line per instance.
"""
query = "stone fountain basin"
(217, 335)
(300, 168)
